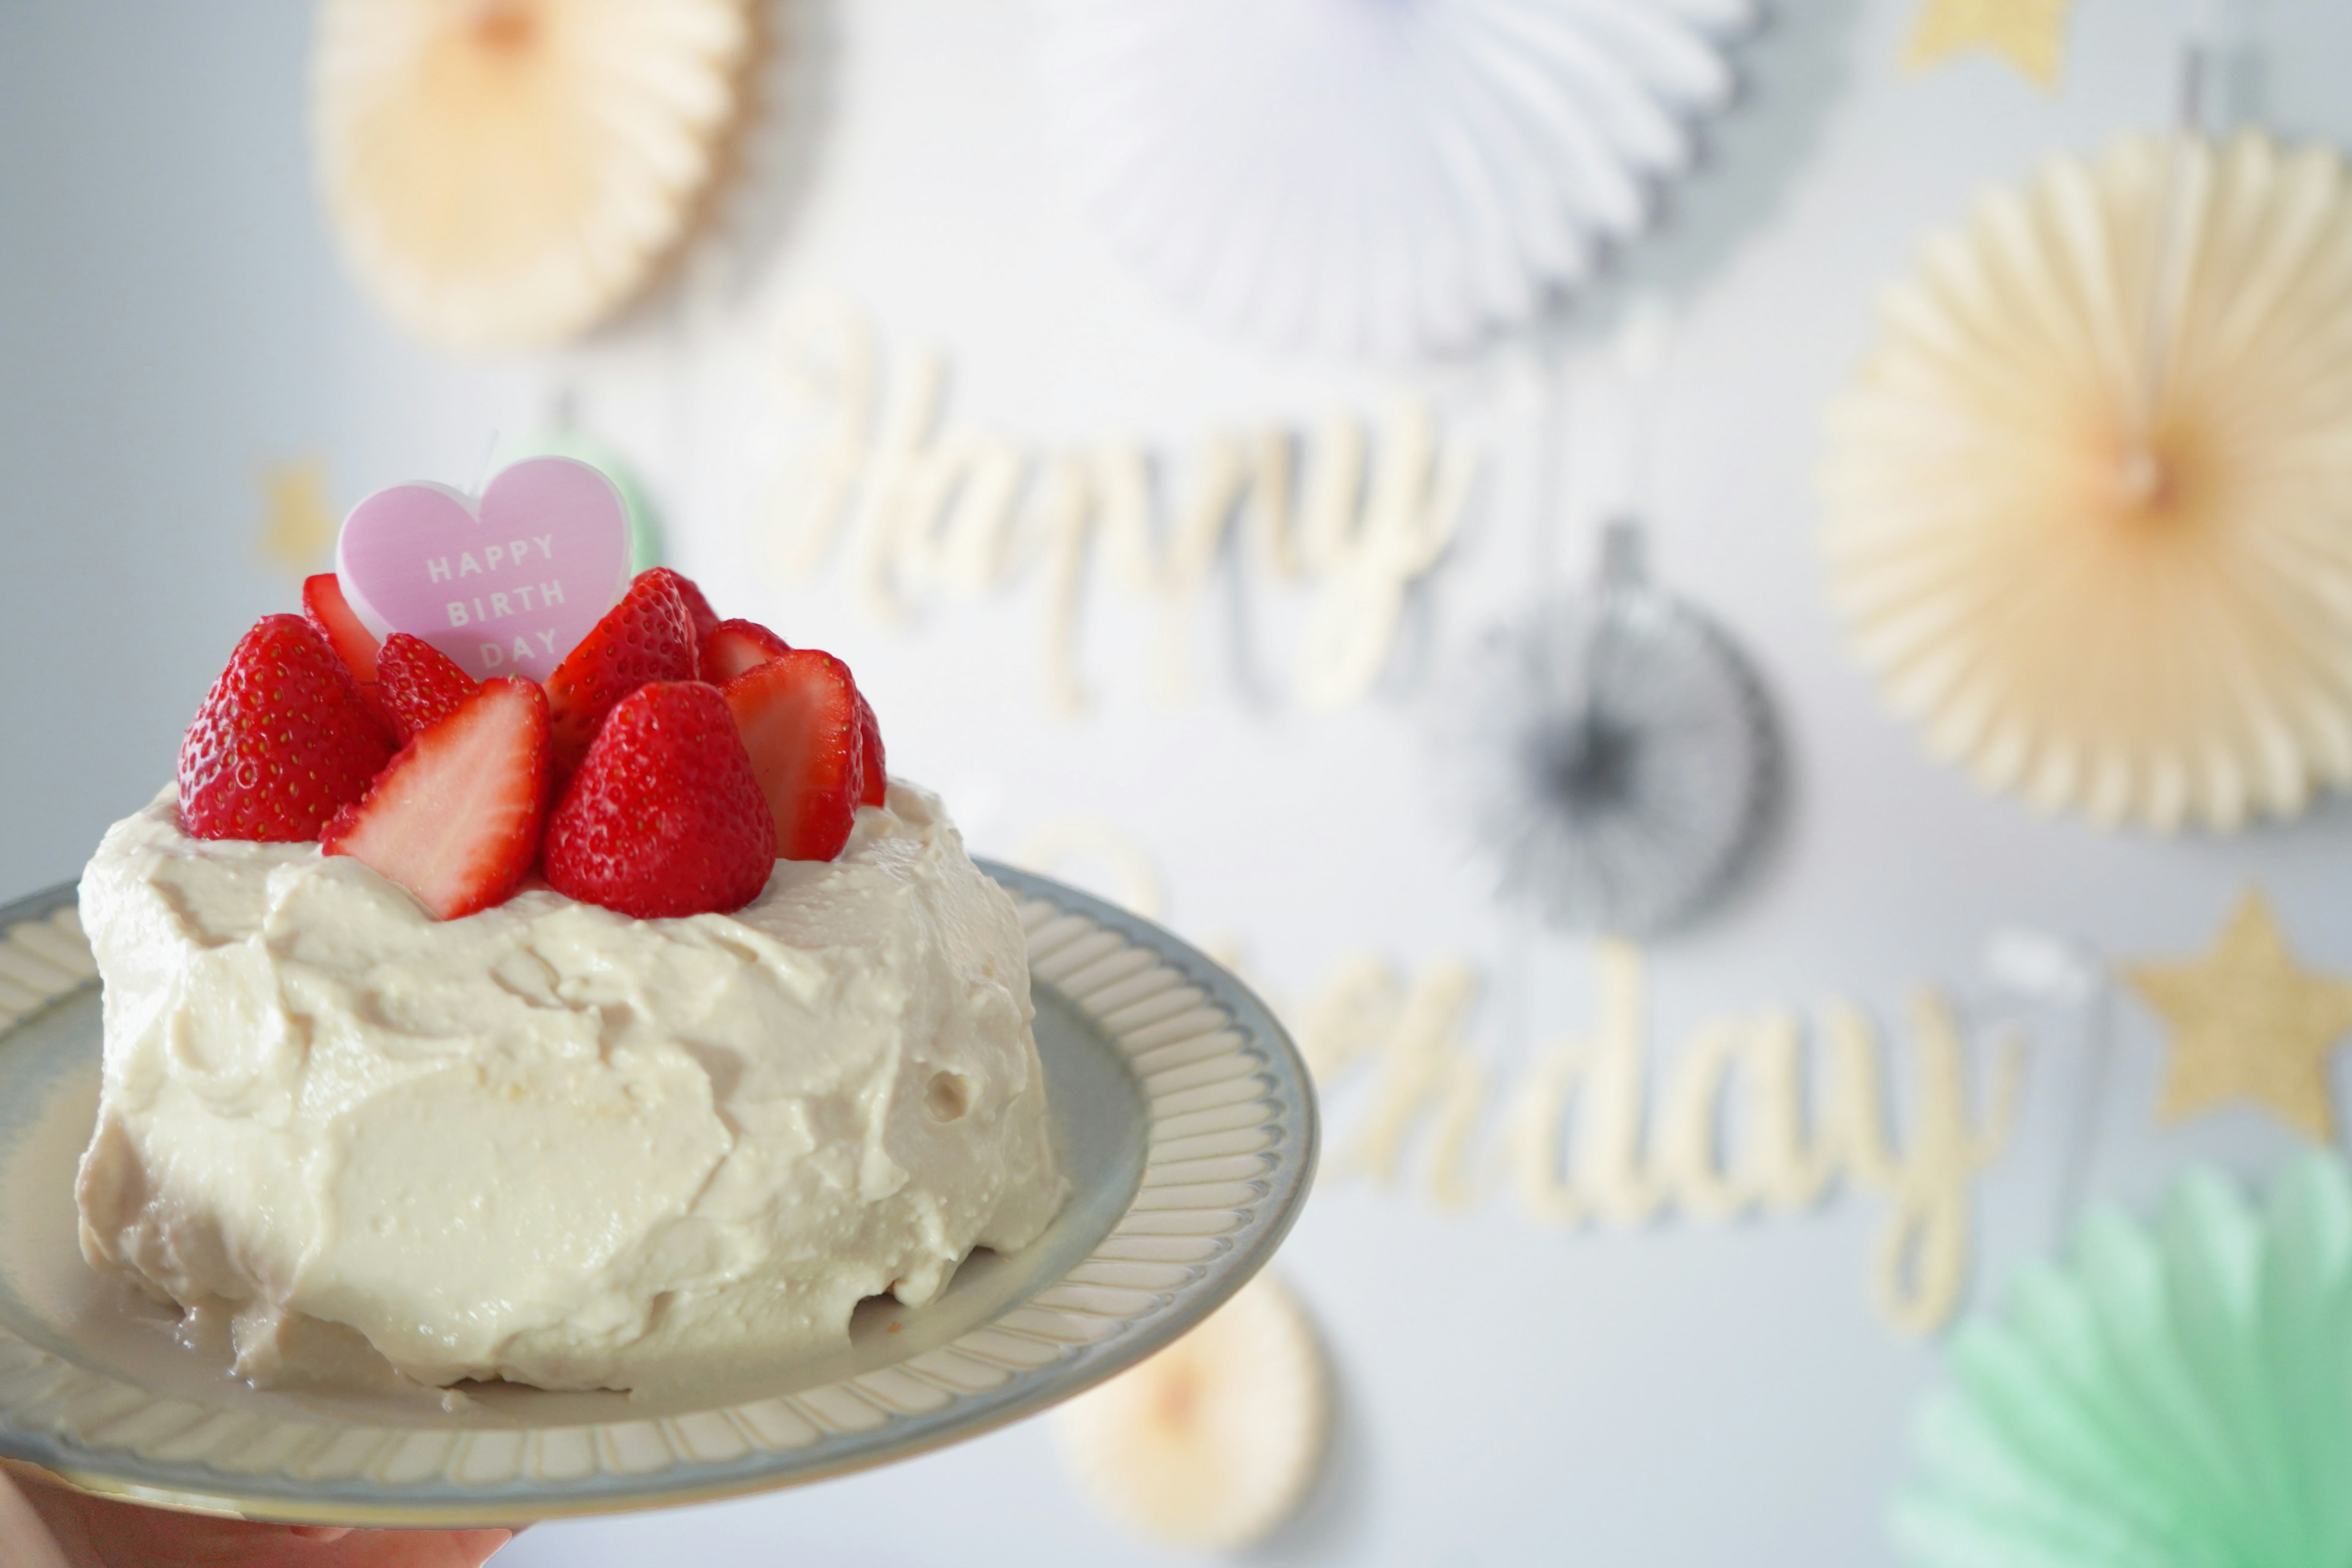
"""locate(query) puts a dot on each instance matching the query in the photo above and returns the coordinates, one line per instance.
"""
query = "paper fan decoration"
(2175, 1395)
(1616, 753)
(1378, 176)
(2029, 34)
(2090, 506)
(504, 173)
(1216, 1440)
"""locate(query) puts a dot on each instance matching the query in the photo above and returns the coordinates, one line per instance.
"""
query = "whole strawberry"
(417, 684)
(648, 636)
(663, 818)
(281, 743)
(699, 612)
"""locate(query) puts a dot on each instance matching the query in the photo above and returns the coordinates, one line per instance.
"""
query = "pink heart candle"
(504, 586)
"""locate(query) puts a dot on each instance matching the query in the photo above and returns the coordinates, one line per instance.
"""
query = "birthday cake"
(581, 1031)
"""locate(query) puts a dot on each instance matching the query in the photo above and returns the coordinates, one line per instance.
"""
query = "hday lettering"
(550, 593)
(521, 649)
(549, 640)
(1578, 1142)
(493, 656)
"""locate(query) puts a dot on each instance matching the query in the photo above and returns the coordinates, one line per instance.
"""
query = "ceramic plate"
(1183, 1114)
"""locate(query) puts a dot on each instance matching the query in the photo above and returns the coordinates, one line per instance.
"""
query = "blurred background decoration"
(1359, 177)
(2248, 1023)
(2175, 1392)
(299, 517)
(906, 507)
(1613, 750)
(1216, 1441)
(1618, 751)
(506, 173)
(2087, 501)
(2029, 34)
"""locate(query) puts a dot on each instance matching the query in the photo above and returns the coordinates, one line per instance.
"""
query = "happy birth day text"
(485, 609)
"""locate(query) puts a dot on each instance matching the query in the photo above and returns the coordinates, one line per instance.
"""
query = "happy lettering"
(1348, 514)
(440, 570)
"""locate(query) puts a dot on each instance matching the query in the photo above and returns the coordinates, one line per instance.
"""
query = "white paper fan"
(2090, 505)
(504, 173)
(1380, 176)
(1216, 1440)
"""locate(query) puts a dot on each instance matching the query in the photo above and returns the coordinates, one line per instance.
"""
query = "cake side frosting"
(547, 1141)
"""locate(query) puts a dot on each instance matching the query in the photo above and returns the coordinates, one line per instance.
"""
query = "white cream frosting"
(548, 1143)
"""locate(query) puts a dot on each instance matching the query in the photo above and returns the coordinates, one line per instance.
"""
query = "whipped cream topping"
(548, 1143)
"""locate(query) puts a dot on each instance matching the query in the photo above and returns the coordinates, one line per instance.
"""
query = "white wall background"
(172, 317)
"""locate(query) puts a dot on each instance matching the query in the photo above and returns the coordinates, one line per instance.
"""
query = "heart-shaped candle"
(505, 585)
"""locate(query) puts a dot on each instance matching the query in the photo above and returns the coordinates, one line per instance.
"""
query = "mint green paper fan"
(2175, 1396)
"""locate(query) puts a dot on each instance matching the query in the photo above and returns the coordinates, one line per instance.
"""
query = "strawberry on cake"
(631, 1026)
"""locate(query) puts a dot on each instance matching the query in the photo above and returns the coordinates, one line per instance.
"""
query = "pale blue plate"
(1183, 1114)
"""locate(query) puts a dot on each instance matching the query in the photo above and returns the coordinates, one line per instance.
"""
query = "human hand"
(43, 1525)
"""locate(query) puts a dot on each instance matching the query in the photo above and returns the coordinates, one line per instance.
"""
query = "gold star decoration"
(297, 521)
(2029, 34)
(2248, 1022)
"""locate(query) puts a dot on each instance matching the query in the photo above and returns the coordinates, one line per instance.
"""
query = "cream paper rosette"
(1216, 1441)
(506, 173)
(2090, 504)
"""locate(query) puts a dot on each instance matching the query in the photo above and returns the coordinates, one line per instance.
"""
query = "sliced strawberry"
(417, 684)
(870, 764)
(322, 598)
(697, 609)
(734, 647)
(648, 636)
(798, 715)
(455, 818)
(281, 743)
(323, 602)
(664, 817)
